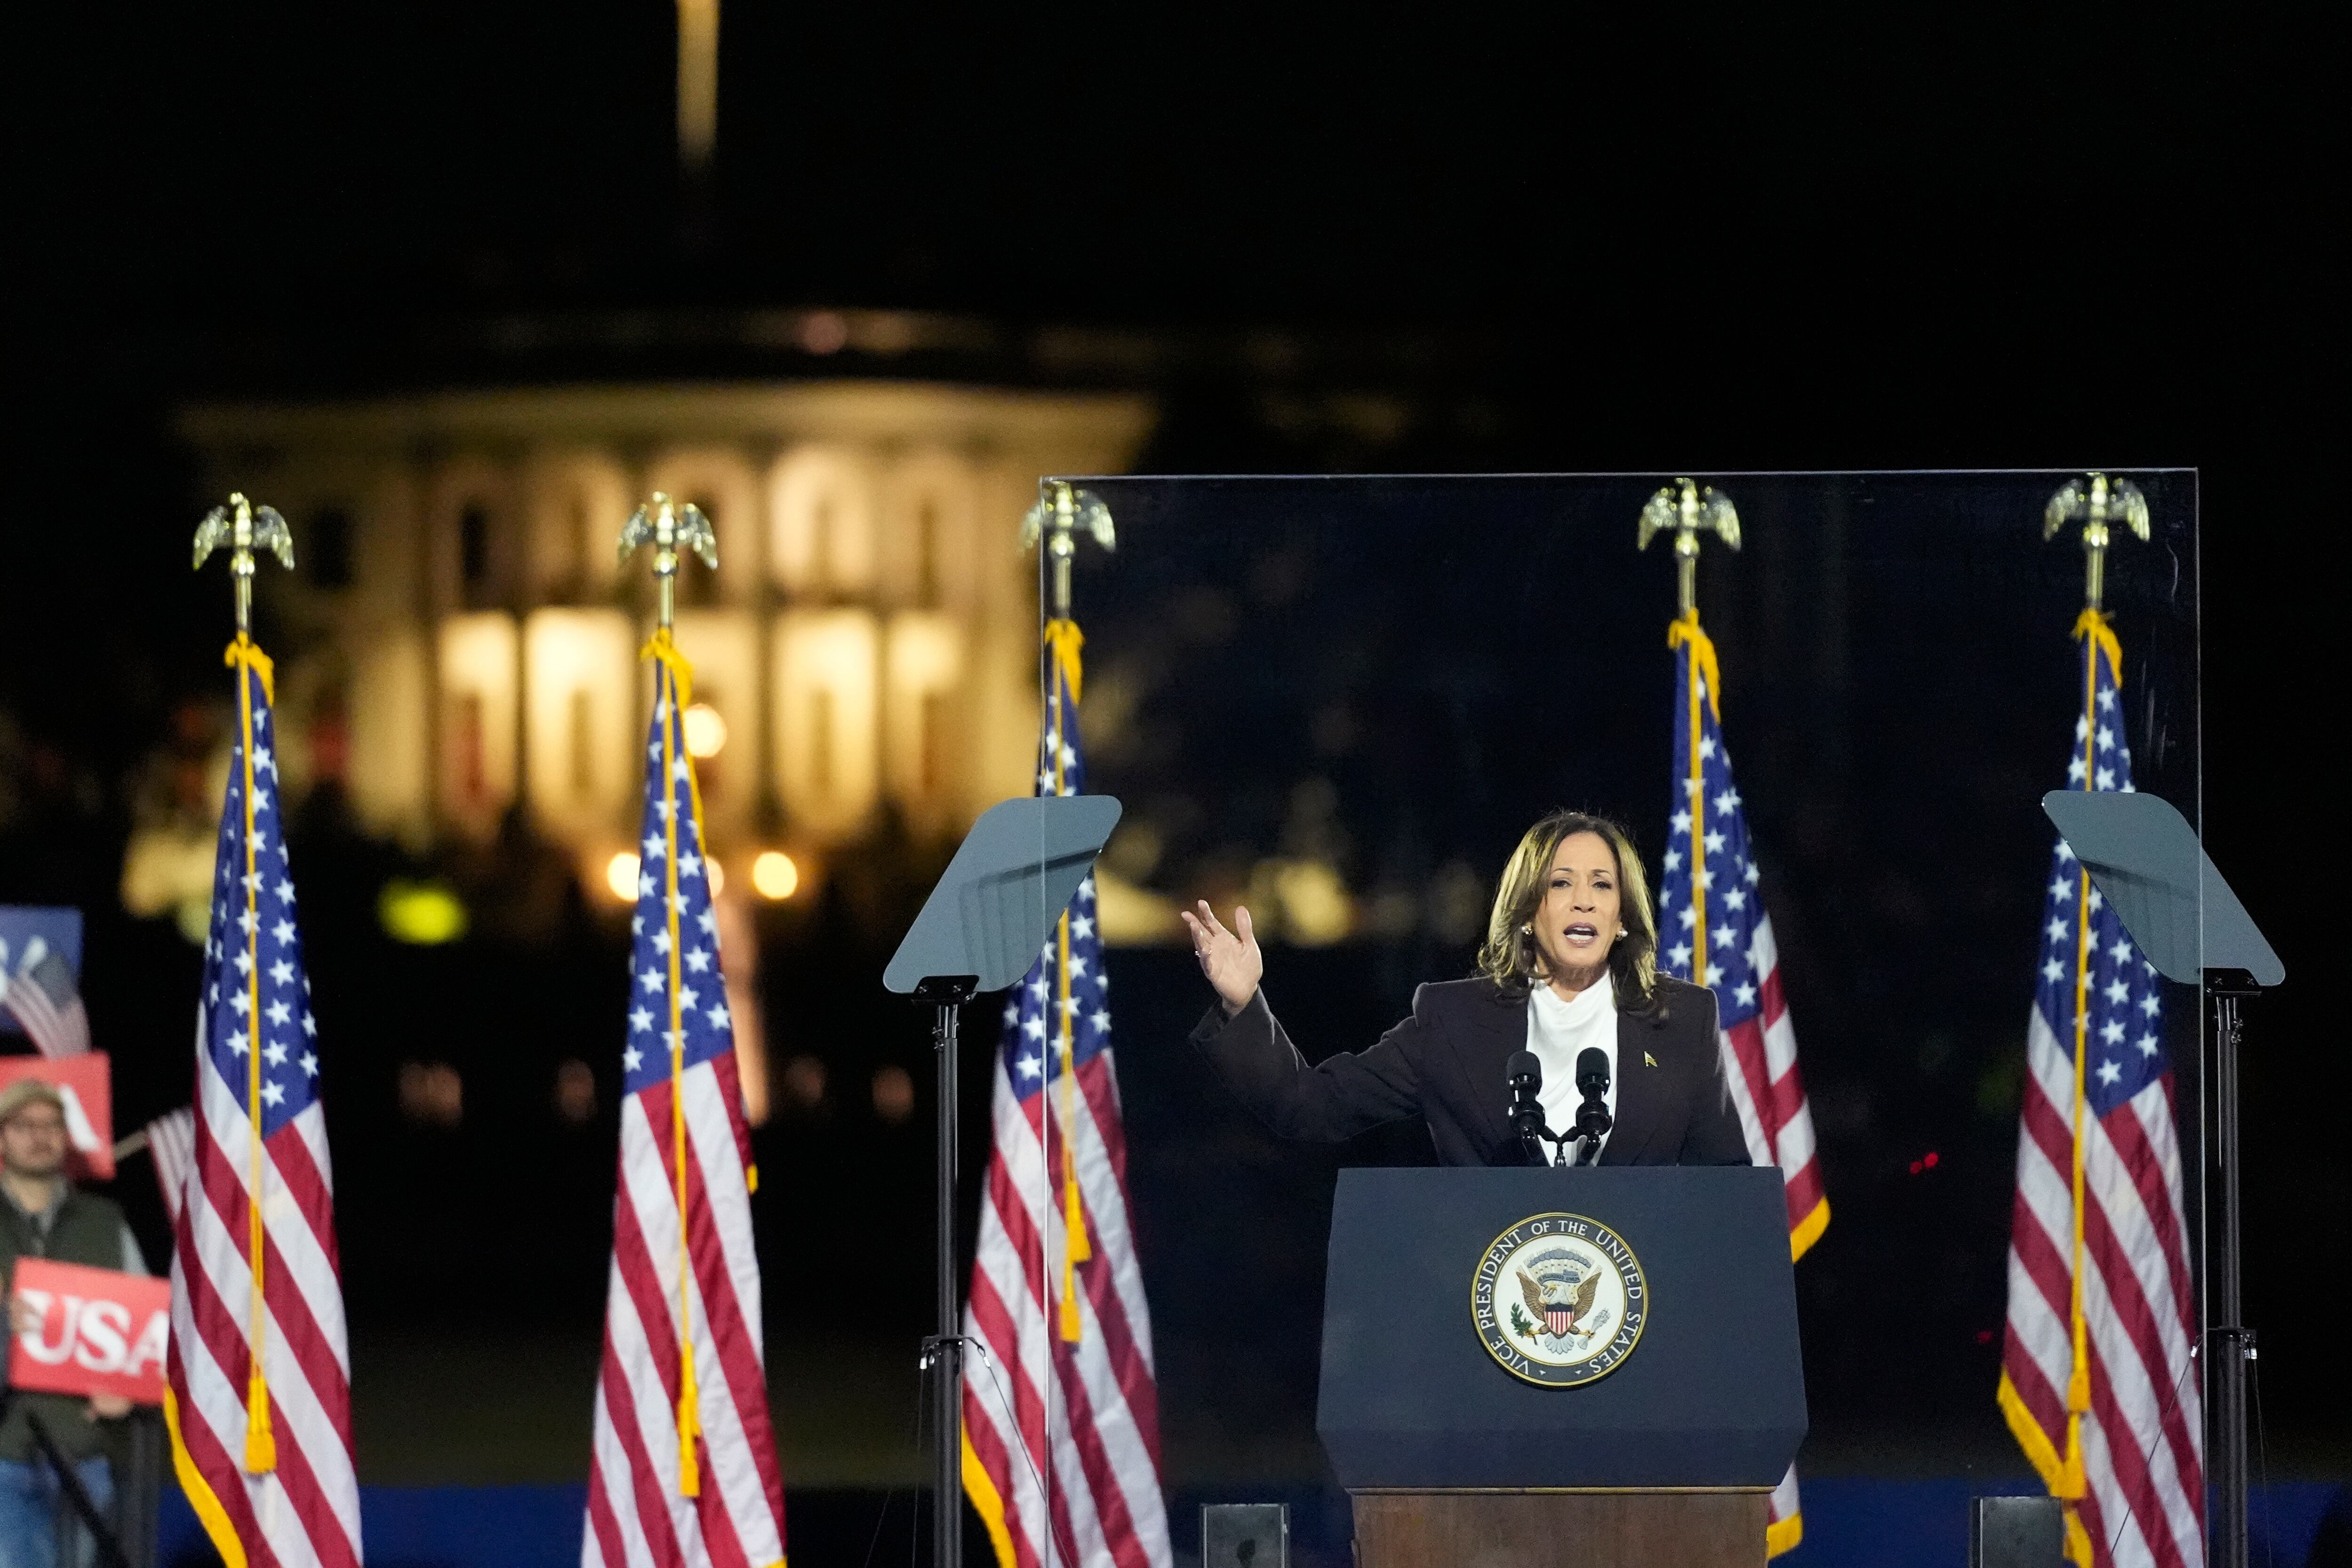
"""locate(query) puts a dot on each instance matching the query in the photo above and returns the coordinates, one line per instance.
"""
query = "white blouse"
(1559, 1032)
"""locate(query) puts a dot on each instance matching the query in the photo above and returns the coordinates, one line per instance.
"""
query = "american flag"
(1711, 911)
(46, 1000)
(258, 1374)
(683, 1469)
(172, 1146)
(2097, 1377)
(1061, 1413)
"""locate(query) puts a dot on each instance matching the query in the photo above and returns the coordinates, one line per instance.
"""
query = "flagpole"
(2097, 501)
(243, 527)
(1061, 512)
(1685, 510)
(670, 528)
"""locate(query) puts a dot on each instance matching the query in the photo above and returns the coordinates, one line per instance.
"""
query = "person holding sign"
(43, 1215)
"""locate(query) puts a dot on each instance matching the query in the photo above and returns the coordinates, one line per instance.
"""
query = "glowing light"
(774, 875)
(424, 914)
(718, 876)
(432, 1094)
(575, 1092)
(706, 732)
(894, 1095)
(804, 1081)
(621, 876)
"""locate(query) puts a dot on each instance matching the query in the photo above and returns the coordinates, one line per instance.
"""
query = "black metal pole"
(2230, 1344)
(946, 994)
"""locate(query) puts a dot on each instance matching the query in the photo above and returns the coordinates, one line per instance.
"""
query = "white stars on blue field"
(1723, 867)
(254, 937)
(2125, 1024)
(1033, 1010)
(705, 1028)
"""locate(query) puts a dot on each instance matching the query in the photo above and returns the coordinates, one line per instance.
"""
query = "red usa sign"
(97, 1332)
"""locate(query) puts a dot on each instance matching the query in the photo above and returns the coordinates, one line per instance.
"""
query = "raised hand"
(1230, 959)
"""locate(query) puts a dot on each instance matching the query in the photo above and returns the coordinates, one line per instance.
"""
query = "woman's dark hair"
(1510, 957)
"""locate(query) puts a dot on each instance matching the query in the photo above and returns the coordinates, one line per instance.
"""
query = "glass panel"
(1341, 702)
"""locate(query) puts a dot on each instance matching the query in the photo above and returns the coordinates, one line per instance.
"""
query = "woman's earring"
(1527, 929)
(1620, 930)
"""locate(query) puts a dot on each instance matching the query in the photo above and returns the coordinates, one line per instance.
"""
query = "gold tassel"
(689, 1424)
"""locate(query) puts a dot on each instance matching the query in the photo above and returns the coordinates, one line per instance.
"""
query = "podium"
(1594, 1366)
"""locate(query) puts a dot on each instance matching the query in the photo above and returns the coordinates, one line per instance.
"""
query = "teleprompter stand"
(981, 929)
(2146, 861)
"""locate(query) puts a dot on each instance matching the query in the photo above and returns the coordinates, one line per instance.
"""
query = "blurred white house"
(460, 636)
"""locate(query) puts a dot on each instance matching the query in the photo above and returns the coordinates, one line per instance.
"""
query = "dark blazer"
(1446, 1062)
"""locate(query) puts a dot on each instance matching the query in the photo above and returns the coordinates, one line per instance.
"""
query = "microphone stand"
(1592, 1124)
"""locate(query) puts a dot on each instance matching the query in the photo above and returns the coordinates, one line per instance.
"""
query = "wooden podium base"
(1572, 1529)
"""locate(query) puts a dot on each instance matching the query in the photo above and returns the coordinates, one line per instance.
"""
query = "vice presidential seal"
(1559, 1299)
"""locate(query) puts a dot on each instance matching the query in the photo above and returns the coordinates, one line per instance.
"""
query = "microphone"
(1591, 1071)
(1592, 1119)
(1525, 1074)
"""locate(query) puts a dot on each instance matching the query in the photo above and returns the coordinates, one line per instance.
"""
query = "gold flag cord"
(2092, 629)
(674, 678)
(1705, 679)
(1064, 640)
(245, 656)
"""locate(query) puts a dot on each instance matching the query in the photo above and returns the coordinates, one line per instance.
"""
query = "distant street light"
(621, 875)
(774, 875)
(706, 732)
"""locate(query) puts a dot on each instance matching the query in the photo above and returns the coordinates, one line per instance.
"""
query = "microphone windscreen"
(1524, 1068)
(1592, 1070)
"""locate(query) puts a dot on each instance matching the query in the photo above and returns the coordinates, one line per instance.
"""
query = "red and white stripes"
(304, 1510)
(637, 1513)
(1093, 1405)
(172, 1145)
(1760, 1056)
(2141, 1443)
(46, 1001)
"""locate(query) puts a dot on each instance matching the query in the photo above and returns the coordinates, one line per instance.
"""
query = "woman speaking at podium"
(1570, 966)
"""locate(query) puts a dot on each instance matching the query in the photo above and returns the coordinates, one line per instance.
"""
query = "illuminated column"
(578, 723)
(477, 719)
(825, 719)
(577, 500)
(391, 713)
(471, 553)
(821, 523)
(923, 728)
(929, 520)
(389, 703)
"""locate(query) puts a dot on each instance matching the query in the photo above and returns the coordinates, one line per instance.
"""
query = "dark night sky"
(1981, 240)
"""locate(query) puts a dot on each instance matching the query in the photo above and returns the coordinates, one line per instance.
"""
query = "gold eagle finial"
(1687, 508)
(241, 528)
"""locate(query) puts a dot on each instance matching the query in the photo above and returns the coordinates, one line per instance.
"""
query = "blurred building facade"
(459, 638)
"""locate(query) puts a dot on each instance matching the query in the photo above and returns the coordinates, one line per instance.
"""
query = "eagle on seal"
(1560, 1316)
